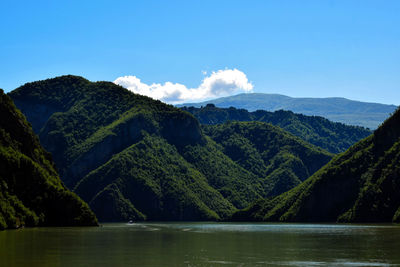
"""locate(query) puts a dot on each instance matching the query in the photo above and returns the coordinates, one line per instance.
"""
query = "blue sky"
(297, 48)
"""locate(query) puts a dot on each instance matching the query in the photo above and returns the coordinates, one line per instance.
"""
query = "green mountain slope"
(31, 193)
(360, 185)
(131, 157)
(94, 130)
(160, 183)
(279, 159)
(343, 110)
(332, 136)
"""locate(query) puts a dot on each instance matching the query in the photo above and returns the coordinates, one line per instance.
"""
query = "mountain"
(343, 110)
(132, 157)
(332, 136)
(31, 192)
(360, 185)
(279, 159)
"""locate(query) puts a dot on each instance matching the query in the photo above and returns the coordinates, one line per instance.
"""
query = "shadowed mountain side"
(360, 185)
(31, 193)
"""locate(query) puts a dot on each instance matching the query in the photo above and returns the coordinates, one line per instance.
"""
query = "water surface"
(203, 244)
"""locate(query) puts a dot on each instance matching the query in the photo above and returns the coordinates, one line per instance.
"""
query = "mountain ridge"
(338, 109)
(333, 136)
(132, 157)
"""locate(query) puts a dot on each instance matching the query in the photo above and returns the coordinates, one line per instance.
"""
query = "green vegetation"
(131, 157)
(80, 119)
(31, 193)
(332, 136)
(154, 177)
(343, 110)
(279, 160)
(360, 185)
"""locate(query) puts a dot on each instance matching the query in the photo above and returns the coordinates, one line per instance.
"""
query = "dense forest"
(280, 160)
(360, 185)
(332, 136)
(31, 192)
(132, 157)
(338, 109)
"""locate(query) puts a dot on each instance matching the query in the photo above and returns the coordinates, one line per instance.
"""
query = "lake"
(203, 244)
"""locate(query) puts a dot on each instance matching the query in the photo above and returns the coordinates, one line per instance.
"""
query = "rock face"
(131, 157)
(360, 185)
(31, 193)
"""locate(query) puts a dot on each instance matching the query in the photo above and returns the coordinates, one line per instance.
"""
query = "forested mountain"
(360, 185)
(31, 192)
(332, 136)
(132, 157)
(279, 159)
(350, 112)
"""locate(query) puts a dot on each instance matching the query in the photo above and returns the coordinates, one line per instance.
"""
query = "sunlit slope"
(360, 185)
(279, 159)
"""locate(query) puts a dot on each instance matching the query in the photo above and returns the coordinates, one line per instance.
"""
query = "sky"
(182, 51)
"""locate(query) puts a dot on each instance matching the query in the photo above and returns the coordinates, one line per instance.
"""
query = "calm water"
(203, 244)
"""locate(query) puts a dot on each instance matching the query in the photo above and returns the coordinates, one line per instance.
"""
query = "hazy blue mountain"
(369, 115)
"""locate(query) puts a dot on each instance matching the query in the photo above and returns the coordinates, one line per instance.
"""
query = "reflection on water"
(203, 244)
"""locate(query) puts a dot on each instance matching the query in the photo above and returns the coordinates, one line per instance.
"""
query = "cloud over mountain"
(217, 84)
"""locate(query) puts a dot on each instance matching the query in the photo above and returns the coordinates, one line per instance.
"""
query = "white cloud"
(217, 84)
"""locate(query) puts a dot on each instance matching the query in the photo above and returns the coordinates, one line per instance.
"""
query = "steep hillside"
(131, 157)
(343, 110)
(360, 185)
(332, 136)
(31, 193)
(91, 128)
(280, 160)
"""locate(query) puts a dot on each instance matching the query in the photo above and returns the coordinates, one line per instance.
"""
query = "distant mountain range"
(369, 115)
